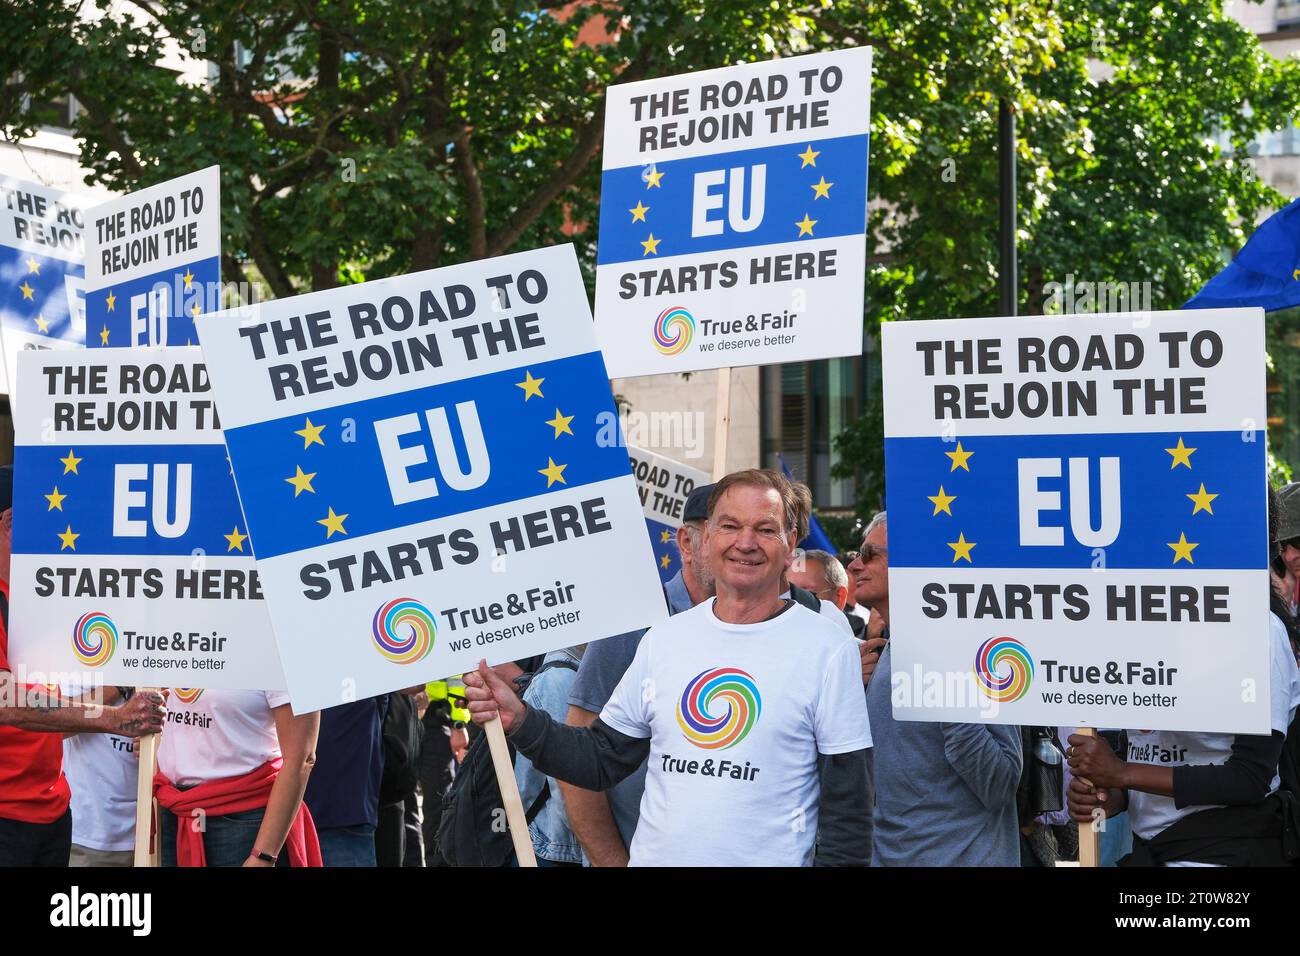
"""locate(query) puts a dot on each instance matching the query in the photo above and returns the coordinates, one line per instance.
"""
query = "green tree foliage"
(366, 138)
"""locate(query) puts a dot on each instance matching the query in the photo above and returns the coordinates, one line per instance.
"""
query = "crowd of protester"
(829, 776)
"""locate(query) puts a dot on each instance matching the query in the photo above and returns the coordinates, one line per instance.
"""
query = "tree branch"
(476, 211)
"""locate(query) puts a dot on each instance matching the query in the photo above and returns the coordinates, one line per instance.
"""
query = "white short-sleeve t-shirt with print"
(737, 715)
(1151, 813)
(216, 734)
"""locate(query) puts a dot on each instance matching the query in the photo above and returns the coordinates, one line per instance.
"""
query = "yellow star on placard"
(332, 523)
(561, 424)
(961, 548)
(1202, 500)
(55, 500)
(665, 561)
(236, 540)
(310, 435)
(301, 482)
(822, 190)
(27, 291)
(652, 180)
(188, 277)
(531, 386)
(103, 335)
(809, 156)
(1183, 549)
(805, 226)
(1182, 455)
(69, 539)
(959, 458)
(33, 266)
(194, 310)
(942, 502)
(553, 472)
(638, 211)
(70, 463)
(664, 536)
(650, 247)
(112, 302)
(42, 323)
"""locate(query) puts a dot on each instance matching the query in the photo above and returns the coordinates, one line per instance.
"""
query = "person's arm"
(46, 711)
(595, 757)
(95, 697)
(590, 817)
(844, 818)
(298, 746)
(1092, 759)
(987, 757)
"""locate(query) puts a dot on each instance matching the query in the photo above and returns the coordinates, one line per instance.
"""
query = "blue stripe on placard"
(119, 315)
(66, 497)
(821, 184)
(1160, 524)
(33, 293)
(559, 434)
(664, 548)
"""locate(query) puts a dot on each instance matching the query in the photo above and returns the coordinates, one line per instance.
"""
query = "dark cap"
(1288, 526)
(697, 504)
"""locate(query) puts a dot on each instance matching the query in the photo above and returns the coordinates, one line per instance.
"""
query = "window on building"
(804, 407)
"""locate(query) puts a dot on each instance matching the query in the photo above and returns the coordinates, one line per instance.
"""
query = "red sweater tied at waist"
(233, 795)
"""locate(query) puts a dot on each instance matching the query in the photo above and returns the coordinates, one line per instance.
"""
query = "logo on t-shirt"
(187, 695)
(1004, 669)
(94, 638)
(403, 631)
(719, 707)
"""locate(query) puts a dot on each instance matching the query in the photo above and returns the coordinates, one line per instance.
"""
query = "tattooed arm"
(37, 708)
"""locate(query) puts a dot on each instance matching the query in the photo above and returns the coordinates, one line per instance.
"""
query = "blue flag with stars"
(1265, 273)
(433, 470)
(1077, 530)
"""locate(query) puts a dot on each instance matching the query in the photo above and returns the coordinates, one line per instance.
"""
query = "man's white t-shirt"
(215, 734)
(101, 771)
(736, 715)
(1150, 813)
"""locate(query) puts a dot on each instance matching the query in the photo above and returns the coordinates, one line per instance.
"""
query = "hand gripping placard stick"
(514, 805)
(1089, 837)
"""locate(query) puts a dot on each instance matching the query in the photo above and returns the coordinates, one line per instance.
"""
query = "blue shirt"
(343, 788)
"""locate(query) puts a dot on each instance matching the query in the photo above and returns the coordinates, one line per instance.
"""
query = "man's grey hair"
(877, 521)
(834, 573)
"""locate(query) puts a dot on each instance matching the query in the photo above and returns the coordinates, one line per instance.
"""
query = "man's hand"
(489, 696)
(1092, 759)
(143, 714)
(1085, 800)
(869, 651)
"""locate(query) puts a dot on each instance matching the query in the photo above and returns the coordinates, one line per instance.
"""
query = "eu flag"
(1265, 273)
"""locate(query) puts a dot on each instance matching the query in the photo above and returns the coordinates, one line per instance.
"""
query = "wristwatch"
(257, 854)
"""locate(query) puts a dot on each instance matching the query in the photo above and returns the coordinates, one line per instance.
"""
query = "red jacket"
(233, 795)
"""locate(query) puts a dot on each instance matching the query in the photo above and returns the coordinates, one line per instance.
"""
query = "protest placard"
(131, 562)
(1078, 520)
(153, 262)
(420, 463)
(733, 215)
(42, 249)
(664, 485)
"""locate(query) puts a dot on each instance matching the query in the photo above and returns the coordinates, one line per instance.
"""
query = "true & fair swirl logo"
(403, 631)
(1004, 669)
(94, 639)
(673, 330)
(719, 707)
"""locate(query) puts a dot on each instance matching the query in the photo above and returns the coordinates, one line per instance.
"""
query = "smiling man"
(748, 706)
